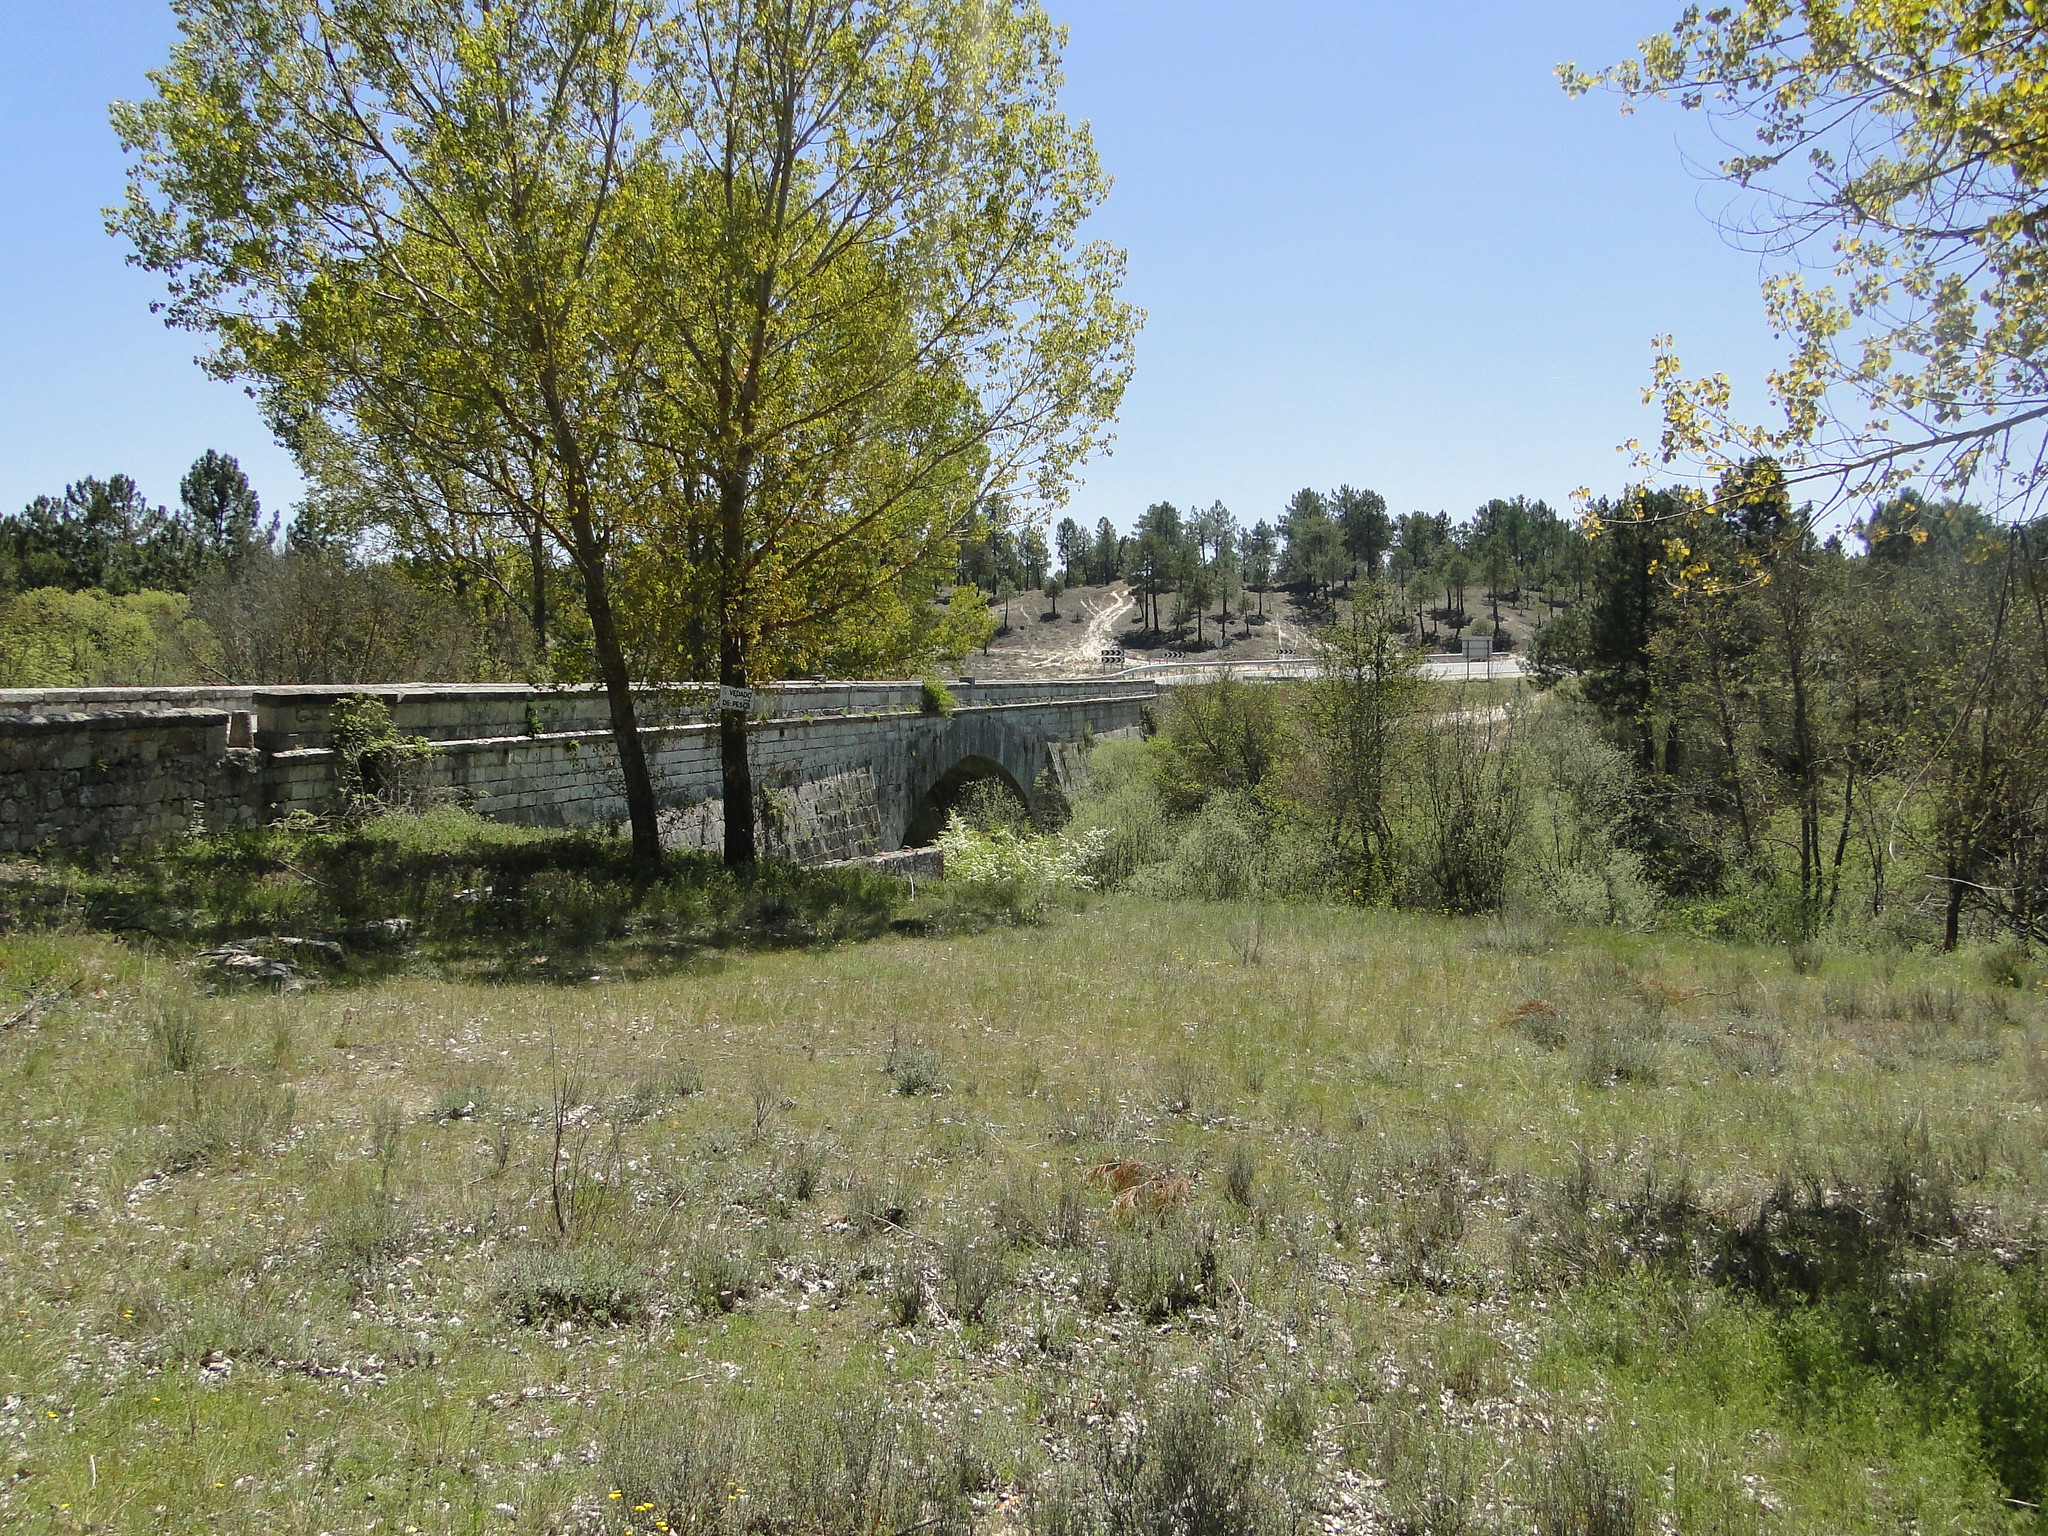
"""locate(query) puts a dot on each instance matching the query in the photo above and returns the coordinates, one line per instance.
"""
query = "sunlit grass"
(281, 1289)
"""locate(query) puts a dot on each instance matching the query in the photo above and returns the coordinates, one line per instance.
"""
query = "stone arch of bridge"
(930, 810)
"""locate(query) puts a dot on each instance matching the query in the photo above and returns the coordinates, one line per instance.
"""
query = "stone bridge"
(841, 770)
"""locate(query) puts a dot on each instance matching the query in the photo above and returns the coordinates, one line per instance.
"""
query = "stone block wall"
(840, 768)
(118, 779)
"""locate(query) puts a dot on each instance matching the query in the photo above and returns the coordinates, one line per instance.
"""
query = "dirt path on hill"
(1100, 630)
(1097, 634)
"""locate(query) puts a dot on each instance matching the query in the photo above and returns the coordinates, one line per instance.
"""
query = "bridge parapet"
(842, 768)
(297, 716)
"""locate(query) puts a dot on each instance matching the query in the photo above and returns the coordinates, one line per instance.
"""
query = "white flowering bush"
(1022, 873)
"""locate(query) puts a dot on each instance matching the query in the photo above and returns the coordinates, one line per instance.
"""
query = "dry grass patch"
(1089, 1227)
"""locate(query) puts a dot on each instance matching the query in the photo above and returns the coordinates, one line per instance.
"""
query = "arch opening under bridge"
(928, 818)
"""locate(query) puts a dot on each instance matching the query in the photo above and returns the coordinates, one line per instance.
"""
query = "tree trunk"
(1730, 740)
(1842, 838)
(735, 767)
(537, 553)
(618, 688)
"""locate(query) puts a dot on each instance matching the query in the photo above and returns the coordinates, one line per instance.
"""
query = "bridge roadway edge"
(840, 768)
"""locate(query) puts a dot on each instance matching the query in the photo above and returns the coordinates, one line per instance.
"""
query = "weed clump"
(846, 1466)
(366, 1232)
(934, 697)
(802, 1171)
(915, 1070)
(173, 1026)
(906, 1292)
(1160, 1269)
(973, 1272)
(2007, 965)
(1544, 1024)
(717, 1279)
(1191, 1470)
(1093, 1115)
(221, 1116)
(1240, 1177)
(1423, 1223)
(1027, 1216)
(651, 1092)
(1583, 1490)
(877, 1205)
(587, 1284)
(1626, 1046)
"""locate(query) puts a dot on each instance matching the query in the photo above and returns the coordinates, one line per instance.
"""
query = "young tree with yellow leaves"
(877, 316)
(744, 306)
(1899, 161)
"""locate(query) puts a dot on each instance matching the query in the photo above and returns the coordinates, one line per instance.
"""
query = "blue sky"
(1376, 242)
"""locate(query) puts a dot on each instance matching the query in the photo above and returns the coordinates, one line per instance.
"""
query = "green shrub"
(1013, 873)
(934, 697)
(380, 769)
(988, 805)
(1158, 1269)
(1221, 853)
(1122, 808)
(1470, 804)
(972, 1270)
(51, 638)
(1189, 1472)
(584, 1284)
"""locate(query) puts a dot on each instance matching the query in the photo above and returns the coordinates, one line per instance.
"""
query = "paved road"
(1444, 668)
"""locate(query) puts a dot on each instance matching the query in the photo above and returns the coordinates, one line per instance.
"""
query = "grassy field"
(1155, 1219)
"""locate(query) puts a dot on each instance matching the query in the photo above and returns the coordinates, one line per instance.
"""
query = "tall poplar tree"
(746, 307)
(403, 225)
(878, 313)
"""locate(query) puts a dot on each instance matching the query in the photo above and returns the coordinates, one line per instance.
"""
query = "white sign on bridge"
(738, 701)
